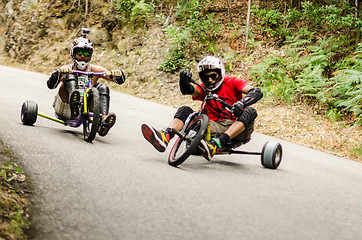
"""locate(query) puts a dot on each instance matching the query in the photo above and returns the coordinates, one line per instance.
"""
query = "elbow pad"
(254, 95)
(53, 80)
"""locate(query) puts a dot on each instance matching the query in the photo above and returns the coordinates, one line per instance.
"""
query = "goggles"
(205, 78)
(84, 52)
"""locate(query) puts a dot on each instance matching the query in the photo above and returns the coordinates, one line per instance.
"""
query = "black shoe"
(74, 102)
(107, 123)
(159, 139)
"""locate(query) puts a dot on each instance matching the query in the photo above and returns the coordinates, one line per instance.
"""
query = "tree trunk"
(229, 11)
(247, 24)
(86, 7)
(357, 10)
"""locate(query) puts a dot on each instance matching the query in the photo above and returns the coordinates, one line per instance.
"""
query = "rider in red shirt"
(223, 126)
(230, 92)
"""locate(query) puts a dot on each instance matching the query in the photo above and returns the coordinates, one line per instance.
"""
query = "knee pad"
(102, 88)
(183, 112)
(248, 116)
(70, 77)
(70, 84)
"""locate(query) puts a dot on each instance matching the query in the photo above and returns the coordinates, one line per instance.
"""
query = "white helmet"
(211, 63)
(81, 43)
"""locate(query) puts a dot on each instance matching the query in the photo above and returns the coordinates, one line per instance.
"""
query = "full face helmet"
(81, 45)
(208, 64)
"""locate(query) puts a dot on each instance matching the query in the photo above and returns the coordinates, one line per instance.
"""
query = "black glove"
(238, 108)
(118, 76)
(54, 80)
(185, 85)
(185, 76)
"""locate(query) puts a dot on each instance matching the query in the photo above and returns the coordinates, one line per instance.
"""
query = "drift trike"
(196, 128)
(89, 114)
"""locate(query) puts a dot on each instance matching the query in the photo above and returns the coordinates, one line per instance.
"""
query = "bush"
(345, 88)
(135, 11)
(196, 33)
(291, 73)
(326, 19)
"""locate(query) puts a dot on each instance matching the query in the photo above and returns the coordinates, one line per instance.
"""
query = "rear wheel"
(271, 155)
(29, 112)
(185, 146)
(91, 119)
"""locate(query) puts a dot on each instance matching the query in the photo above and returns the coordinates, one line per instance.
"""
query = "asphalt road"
(119, 187)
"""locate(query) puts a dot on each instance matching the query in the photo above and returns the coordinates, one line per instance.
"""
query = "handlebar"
(89, 73)
(93, 73)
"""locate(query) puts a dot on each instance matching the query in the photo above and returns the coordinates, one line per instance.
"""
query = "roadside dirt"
(15, 192)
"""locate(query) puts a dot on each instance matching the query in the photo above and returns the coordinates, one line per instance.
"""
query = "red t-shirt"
(230, 92)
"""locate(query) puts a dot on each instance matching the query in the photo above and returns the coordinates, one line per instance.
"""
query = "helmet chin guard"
(214, 86)
(81, 64)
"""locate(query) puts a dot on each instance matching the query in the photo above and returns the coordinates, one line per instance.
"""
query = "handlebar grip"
(60, 71)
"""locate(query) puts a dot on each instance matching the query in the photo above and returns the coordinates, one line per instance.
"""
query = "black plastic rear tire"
(29, 112)
(183, 148)
(271, 155)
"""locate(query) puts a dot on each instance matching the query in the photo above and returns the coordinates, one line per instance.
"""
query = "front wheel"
(271, 155)
(91, 119)
(185, 146)
(29, 112)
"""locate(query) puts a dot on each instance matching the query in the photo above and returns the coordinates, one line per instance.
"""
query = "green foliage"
(267, 17)
(300, 69)
(328, 16)
(320, 39)
(345, 91)
(140, 11)
(9, 171)
(196, 33)
(14, 210)
(175, 60)
(327, 19)
(357, 151)
(271, 21)
(136, 11)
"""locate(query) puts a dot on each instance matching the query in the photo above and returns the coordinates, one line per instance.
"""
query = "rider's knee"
(183, 112)
(102, 88)
(248, 116)
(61, 108)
